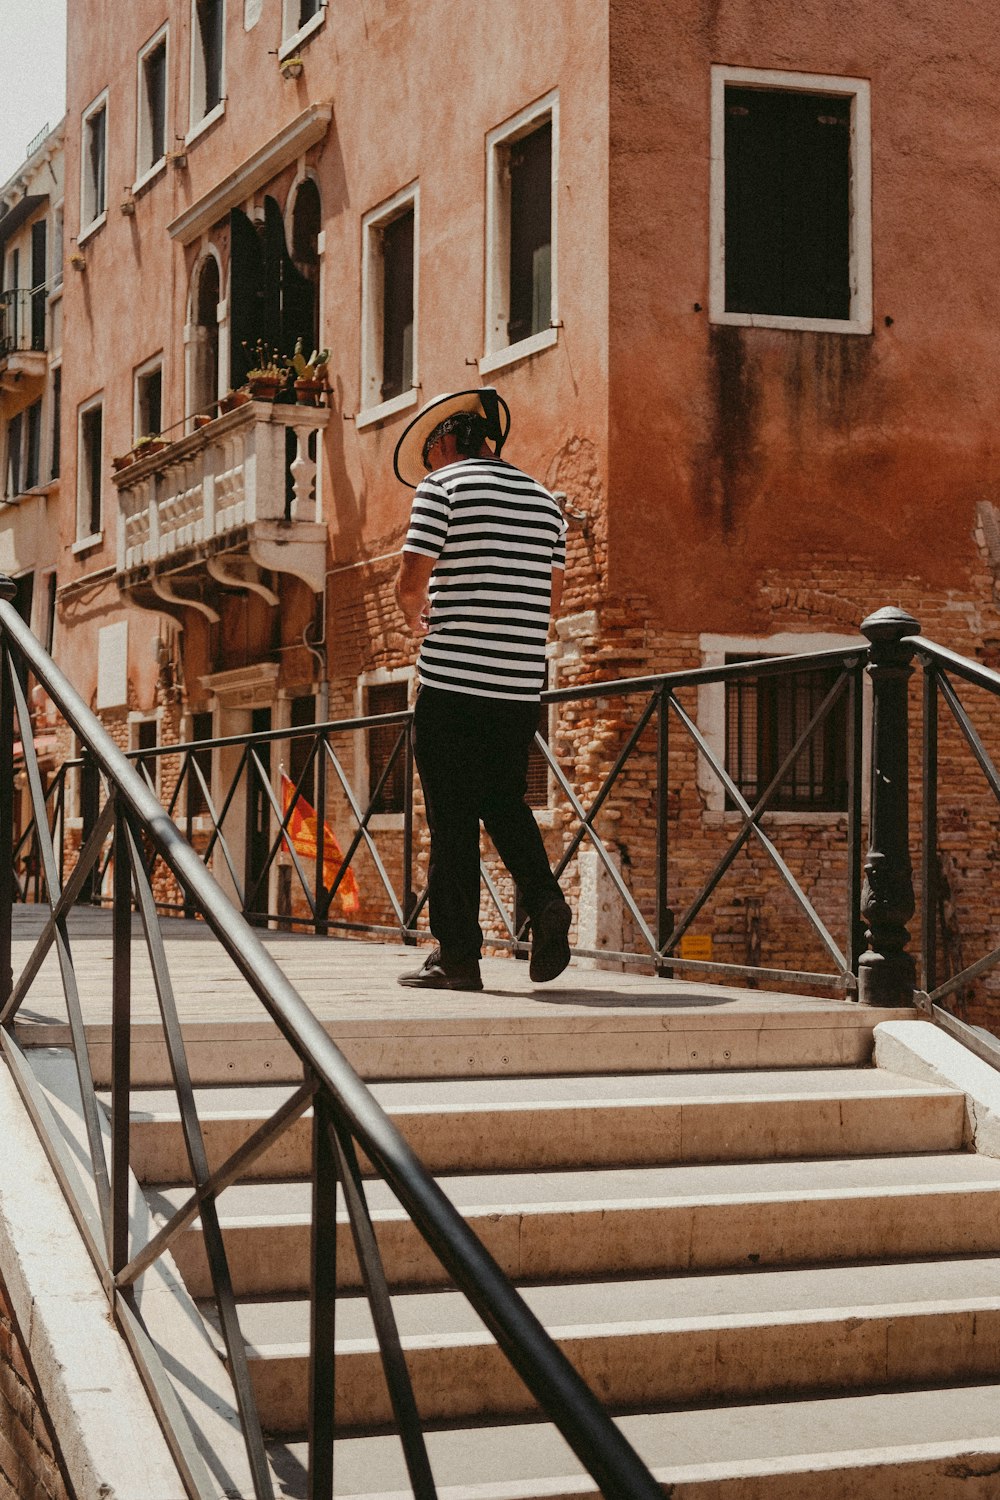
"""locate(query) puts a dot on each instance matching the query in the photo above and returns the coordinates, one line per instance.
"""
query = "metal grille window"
(386, 698)
(537, 794)
(530, 165)
(787, 203)
(764, 718)
(397, 306)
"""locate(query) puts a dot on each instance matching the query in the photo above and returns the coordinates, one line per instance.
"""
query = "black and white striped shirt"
(496, 535)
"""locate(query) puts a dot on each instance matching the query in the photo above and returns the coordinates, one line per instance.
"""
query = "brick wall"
(30, 1468)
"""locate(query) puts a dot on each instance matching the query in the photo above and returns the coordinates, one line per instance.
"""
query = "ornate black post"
(887, 973)
(8, 591)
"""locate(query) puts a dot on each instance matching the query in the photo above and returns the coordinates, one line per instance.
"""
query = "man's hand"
(411, 591)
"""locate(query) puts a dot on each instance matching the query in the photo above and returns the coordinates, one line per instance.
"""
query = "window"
(300, 18)
(306, 226)
(33, 446)
(197, 802)
(151, 114)
(302, 712)
(93, 194)
(203, 339)
(386, 698)
(207, 39)
(89, 472)
(148, 414)
(57, 248)
(791, 201)
(522, 167)
(389, 298)
(146, 736)
(49, 619)
(764, 718)
(12, 483)
(56, 409)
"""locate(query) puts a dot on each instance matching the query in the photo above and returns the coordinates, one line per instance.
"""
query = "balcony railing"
(22, 320)
(234, 483)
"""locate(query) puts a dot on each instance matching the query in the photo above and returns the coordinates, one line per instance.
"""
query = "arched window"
(305, 246)
(204, 354)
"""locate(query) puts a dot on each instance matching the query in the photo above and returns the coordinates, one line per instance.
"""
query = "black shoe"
(437, 975)
(550, 948)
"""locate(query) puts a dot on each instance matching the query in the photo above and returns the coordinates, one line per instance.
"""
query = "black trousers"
(472, 755)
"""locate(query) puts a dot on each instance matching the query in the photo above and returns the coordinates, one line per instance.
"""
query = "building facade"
(733, 278)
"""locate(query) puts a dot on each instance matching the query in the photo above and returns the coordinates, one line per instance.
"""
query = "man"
(481, 575)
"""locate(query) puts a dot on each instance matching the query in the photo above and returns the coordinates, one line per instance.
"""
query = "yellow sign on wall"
(696, 945)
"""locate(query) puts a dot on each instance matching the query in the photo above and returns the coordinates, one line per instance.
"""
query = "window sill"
(291, 44)
(148, 177)
(385, 822)
(794, 325)
(87, 543)
(373, 414)
(523, 349)
(92, 228)
(732, 818)
(205, 123)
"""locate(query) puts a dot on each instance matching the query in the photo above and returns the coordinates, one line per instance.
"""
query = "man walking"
(480, 577)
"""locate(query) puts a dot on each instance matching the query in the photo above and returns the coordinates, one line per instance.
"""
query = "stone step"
(928, 1444)
(739, 1030)
(655, 1342)
(486, 1125)
(545, 1225)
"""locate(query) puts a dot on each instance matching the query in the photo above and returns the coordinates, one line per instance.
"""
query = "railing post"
(887, 973)
(8, 591)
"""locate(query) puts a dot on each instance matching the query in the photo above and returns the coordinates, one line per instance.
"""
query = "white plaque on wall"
(112, 665)
(251, 13)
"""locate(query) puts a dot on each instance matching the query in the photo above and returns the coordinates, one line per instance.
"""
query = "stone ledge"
(922, 1051)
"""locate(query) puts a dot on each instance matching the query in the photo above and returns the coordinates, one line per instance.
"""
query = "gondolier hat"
(483, 401)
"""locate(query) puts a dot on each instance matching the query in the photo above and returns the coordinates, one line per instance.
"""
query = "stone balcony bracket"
(213, 507)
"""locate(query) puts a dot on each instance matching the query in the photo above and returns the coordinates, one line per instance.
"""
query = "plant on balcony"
(310, 374)
(268, 374)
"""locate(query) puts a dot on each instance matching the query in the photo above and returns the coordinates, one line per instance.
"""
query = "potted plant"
(233, 399)
(122, 461)
(310, 374)
(267, 375)
(145, 446)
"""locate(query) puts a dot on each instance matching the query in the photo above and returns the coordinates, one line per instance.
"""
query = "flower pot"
(263, 387)
(202, 419)
(122, 461)
(310, 392)
(234, 399)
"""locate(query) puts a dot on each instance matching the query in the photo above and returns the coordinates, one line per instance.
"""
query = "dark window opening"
(205, 384)
(13, 484)
(530, 234)
(764, 718)
(270, 299)
(149, 393)
(787, 160)
(33, 446)
(91, 435)
(147, 738)
(95, 198)
(303, 711)
(197, 802)
(211, 22)
(48, 639)
(39, 283)
(386, 698)
(306, 224)
(397, 306)
(56, 420)
(154, 70)
(307, 9)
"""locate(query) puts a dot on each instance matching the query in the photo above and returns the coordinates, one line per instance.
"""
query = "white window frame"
(87, 539)
(372, 286)
(140, 372)
(190, 333)
(858, 91)
(292, 39)
(91, 225)
(196, 78)
(712, 715)
(377, 677)
(143, 128)
(498, 352)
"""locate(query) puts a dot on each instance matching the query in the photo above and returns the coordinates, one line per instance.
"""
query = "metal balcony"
(22, 330)
(239, 490)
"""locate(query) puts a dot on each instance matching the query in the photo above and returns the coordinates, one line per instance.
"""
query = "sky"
(32, 75)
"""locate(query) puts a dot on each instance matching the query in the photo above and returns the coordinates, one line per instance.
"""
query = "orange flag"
(300, 832)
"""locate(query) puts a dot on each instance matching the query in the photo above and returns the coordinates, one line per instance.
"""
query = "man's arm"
(411, 590)
(555, 599)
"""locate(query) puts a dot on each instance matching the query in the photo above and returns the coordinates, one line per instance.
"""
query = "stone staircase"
(776, 1263)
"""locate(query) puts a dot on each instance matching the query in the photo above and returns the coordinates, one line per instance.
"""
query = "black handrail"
(346, 1113)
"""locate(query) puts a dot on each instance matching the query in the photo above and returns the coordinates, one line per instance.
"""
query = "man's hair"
(469, 428)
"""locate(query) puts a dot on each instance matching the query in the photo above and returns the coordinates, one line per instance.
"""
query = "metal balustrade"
(22, 320)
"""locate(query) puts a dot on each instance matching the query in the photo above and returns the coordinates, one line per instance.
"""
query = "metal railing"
(346, 1121)
(22, 319)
